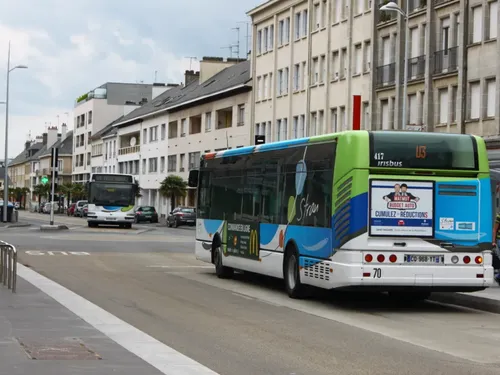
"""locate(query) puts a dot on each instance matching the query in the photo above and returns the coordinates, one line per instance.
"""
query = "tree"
(139, 189)
(24, 193)
(79, 191)
(42, 191)
(172, 187)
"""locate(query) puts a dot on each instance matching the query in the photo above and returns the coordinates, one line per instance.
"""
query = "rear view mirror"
(193, 178)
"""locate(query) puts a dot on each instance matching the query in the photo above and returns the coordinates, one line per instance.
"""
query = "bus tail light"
(368, 258)
(381, 258)
(466, 259)
(393, 258)
(479, 259)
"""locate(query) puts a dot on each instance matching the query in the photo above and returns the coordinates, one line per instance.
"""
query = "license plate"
(424, 259)
(190, 221)
(110, 218)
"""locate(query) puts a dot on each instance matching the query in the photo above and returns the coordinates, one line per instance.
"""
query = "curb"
(18, 225)
(53, 227)
(468, 300)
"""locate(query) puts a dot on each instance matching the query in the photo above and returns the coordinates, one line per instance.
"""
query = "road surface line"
(180, 266)
(164, 358)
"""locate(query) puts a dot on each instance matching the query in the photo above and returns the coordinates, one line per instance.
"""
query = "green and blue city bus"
(401, 212)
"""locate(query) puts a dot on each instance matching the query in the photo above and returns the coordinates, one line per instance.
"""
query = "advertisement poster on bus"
(401, 208)
(243, 239)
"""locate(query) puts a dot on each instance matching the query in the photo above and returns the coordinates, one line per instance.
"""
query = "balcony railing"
(416, 67)
(129, 150)
(386, 75)
(446, 60)
(385, 16)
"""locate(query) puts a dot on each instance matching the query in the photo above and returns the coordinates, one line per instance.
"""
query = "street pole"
(52, 188)
(405, 79)
(6, 172)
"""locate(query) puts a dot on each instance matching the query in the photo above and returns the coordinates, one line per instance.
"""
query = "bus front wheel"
(291, 274)
(221, 271)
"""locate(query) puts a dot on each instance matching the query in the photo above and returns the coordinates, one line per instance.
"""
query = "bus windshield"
(111, 194)
(423, 151)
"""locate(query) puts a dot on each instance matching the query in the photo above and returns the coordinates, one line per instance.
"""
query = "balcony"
(446, 61)
(439, 2)
(416, 67)
(416, 5)
(386, 75)
(129, 150)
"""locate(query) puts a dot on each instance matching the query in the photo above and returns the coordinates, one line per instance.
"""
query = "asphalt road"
(149, 278)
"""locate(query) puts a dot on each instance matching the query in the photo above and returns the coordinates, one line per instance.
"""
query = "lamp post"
(391, 6)
(6, 174)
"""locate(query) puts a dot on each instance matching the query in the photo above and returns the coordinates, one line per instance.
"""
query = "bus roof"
(352, 134)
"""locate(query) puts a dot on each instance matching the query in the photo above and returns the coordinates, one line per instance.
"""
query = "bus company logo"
(253, 246)
(401, 223)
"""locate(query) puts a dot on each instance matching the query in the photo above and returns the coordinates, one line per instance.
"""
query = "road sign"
(45, 180)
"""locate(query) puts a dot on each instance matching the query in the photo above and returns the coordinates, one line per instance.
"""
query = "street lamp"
(391, 6)
(6, 174)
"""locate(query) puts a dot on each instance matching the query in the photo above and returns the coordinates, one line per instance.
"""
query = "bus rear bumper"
(389, 277)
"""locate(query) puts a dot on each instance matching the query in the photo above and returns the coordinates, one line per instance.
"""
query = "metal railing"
(8, 265)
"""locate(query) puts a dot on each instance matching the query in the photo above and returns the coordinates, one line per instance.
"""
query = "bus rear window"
(423, 151)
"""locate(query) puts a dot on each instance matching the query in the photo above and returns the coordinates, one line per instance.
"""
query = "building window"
(265, 89)
(366, 116)
(475, 100)
(295, 127)
(322, 69)
(259, 88)
(334, 120)
(90, 117)
(172, 163)
(315, 71)
(162, 164)
(183, 127)
(182, 162)
(493, 12)
(153, 134)
(335, 65)
(337, 11)
(358, 59)
(265, 39)
(296, 77)
(144, 136)
(313, 127)
(259, 42)
(443, 106)
(454, 104)
(153, 165)
(360, 5)
(208, 121)
(286, 36)
(194, 160)
(241, 115)
(281, 32)
(271, 37)
(477, 24)
(163, 131)
(490, 97)
(297, 26)
(278, 130)
(343, 63)
(317, 16)
(367, 58)
(305, 20)
(412, 109)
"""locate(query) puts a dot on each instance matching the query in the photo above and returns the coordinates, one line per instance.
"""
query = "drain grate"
(72, 349)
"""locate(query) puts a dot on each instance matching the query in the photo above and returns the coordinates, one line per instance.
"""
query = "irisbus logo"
(389, 163)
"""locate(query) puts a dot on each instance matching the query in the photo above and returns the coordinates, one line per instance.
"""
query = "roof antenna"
(191, 58)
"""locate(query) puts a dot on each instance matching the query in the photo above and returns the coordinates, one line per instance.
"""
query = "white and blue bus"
(111, 199)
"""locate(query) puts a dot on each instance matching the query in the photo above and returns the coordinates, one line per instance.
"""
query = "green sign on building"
(45, 180)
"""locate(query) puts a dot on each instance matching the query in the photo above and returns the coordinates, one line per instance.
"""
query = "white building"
(96, 109)
(168, 135)
(309, 59)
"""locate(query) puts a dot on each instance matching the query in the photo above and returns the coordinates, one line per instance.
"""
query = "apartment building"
(168, 135)
(65, 154)
(453, 62)
(99, 107)
(26, 169)
(104, 158)
(309, 59)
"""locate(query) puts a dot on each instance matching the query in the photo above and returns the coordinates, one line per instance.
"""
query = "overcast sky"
(71, 47)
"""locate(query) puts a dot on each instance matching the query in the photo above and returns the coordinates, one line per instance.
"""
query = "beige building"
(453, 61)
(309, 58)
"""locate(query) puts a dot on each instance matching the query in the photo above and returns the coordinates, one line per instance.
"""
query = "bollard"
(8, 266)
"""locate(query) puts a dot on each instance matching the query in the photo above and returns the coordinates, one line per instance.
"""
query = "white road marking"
(181, 266)
(164, 358)
(39, 253)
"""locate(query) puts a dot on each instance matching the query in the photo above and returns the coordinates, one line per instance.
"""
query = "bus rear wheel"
(291, 274)
(221, 271)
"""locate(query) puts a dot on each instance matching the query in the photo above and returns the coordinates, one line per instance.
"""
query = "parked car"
(85, 210)
(181, 216)
(79, 208)
(46, 207)
(146, 213)
(71, 209)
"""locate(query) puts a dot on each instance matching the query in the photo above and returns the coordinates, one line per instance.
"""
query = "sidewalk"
(40, 336)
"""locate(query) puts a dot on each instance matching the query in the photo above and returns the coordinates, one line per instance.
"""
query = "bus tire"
(221, 271)
(291, 274)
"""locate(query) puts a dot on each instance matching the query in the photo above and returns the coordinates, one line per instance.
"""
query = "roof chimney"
(27, 145)
(44, 139)
(190, 76)
(210, 66)
(51, 136)
(64, 130)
